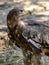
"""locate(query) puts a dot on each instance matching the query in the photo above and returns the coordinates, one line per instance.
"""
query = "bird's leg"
(27, 57)
(36, 59)
(36, 56)
(32, 58)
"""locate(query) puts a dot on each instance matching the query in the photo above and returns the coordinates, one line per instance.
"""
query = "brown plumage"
(21, 30)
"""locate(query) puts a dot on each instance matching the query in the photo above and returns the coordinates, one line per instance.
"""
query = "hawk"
(28, 35)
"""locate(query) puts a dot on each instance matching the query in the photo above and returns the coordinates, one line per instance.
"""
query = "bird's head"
(14, 13)
(14, 16)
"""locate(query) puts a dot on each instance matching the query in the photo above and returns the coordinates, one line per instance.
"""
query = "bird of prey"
(28, 35)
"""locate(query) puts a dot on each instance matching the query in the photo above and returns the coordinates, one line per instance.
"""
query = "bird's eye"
(21, 10)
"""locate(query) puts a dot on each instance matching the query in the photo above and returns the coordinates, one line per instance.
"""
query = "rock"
(2, 4)
(44, 4)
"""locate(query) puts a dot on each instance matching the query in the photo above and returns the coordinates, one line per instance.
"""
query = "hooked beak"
(24, 13)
